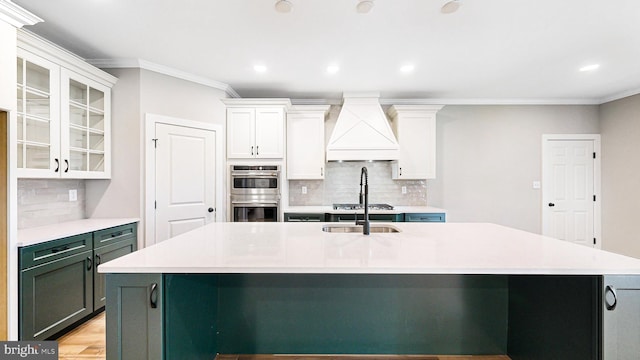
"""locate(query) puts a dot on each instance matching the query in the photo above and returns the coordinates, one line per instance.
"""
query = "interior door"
(569, 190)
(185, 179)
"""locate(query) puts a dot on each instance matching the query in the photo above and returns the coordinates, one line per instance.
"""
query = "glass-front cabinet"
(38, 114)
(63, 117)
(85, 126)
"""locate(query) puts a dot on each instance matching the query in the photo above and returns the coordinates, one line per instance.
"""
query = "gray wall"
(489, 156)
(620, 132)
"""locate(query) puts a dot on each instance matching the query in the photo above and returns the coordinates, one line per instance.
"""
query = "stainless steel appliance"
(255, 193)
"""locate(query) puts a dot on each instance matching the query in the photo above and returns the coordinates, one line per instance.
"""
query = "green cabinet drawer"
(425, 217)
(114, 234)
(372, 217)
(49, 251)
(304, 217)
(55, 295)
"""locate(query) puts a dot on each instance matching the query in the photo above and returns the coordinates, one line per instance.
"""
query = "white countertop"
(42, 234)
(421, 248)
(396, 210)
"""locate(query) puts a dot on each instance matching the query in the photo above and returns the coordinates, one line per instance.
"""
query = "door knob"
(552, 204)
(210, 210)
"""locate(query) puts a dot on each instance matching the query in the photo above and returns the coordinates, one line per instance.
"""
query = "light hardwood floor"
(87, 341)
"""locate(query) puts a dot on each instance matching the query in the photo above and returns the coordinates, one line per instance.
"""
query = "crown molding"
(162, 69)
(16, 15)
(620, 95)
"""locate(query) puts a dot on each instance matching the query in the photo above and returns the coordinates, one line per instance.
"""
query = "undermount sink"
(342, 228)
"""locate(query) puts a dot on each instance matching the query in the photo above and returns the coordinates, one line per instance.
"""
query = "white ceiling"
(490, 51)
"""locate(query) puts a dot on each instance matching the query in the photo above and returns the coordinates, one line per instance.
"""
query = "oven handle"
(255, 175)
(255, 203)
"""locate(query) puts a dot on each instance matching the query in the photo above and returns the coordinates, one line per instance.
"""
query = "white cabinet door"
(241, 133)
(38, 113)
(85, 128)
(415, 127)
(305, 142)
(269, 134)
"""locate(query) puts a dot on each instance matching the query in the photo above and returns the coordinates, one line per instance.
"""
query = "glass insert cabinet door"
(38, 116)
(85, 129)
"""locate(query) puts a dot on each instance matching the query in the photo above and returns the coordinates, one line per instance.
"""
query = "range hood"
(362, 131)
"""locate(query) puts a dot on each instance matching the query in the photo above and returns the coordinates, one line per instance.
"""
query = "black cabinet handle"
(210, 210)
(153, 296)
(552, 204)
(252, 150)
(98, 259)
(89, 263)
(400, 171)
(116, 234)
(62, 248)
(66, 162)
(57, 165)
(610, 304)
(257, 150)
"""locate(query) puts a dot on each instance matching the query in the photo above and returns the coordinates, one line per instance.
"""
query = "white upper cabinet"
(64, 113)
(255, 128)
(305, 142)
(415, 128)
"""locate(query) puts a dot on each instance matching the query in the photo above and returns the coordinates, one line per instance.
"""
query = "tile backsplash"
(341, 184)
(46, 201)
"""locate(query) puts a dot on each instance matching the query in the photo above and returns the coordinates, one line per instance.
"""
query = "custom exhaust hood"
(362, 131)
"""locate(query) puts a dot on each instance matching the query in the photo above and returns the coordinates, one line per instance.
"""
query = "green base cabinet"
(425, 217)
(57, 293)
(135, 317)
(59, 284)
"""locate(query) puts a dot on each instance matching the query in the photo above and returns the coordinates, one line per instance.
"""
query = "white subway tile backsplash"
(341, 184)
(46, 201)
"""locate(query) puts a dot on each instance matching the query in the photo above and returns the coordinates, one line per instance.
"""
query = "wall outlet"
(404, 189)
(304, 189)
(73, 195)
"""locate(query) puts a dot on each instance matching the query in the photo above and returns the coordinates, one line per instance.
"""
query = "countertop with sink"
(40, 234)
(419, 248)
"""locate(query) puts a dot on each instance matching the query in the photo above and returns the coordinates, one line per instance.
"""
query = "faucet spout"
(364, 200)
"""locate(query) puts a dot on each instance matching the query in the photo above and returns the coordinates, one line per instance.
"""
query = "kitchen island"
(441, 288)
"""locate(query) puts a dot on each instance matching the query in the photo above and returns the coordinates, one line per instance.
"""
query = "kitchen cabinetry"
(305, 142)
(134, 324)
(415, 128)
(56, 286)
(621, 317)
(65, 270)
(304, 217)
(372, 217)
(255, 128)
(64, 113)
(424, 217)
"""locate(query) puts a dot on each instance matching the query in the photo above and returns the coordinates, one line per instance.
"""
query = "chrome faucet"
(364, 200)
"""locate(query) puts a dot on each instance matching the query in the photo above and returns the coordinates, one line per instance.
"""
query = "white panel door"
(270, 133)
(569, 191)
(185, 179)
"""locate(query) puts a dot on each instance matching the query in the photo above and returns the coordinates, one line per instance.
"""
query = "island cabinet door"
(134, 316)
(621, 317)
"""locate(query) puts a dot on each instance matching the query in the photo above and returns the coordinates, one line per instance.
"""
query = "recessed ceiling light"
(260, 68)
(450, 7)
(284, 6)
(332, 69)
(364, 6)
(407, 68)
(590, 67)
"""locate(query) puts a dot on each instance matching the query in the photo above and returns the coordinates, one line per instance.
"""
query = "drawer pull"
(62, 248)
(153, 296)
(116, 234)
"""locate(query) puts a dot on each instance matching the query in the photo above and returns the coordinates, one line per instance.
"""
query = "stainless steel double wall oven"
(255, 193)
